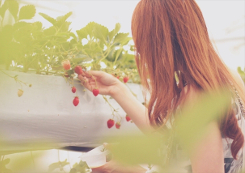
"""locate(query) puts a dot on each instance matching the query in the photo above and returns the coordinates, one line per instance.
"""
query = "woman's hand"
(110, 85)
(106, 83)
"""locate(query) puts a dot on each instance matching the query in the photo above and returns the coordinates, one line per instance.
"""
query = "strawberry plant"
(118, 125)
(59, 51)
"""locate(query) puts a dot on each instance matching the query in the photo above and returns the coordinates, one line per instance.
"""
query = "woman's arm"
(207, 156)
(110, 85)
(134, 109)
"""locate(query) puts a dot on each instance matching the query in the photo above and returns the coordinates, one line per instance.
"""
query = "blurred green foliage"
(80, 167)
(28, 46)
(242, 73)
(189, 127)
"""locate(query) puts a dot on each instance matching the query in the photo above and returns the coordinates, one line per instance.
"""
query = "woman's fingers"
(89, 74)
(86, 82)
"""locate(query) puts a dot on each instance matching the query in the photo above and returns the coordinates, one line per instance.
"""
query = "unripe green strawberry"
(20, 92)
(110, 123)
(118, 125)
(66, 64)
(75, 101)
(66, 74)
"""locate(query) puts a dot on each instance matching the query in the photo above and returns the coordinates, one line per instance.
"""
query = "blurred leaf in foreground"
(191, 124)
(3, 168)
(24, 162)
(189, 127)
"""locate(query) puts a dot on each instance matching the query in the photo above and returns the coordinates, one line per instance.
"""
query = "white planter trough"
(45, 113)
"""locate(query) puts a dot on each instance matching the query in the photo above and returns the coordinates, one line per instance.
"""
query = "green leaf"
(3, 164)
(65, 27)
(82, 33)
(73, 35)
(56, 165)
(92, 48)
(50, 31)
(87, 30)
(120, 37)
(13, 8)
(3, 9)
(6, 34)
(114, 55)
(82, 167)
(23, 34)
(48, 18)
(132, 48)
(81, 58)
(239, 69)
(94, 30)
(61, 19)
(5, 161)
(114, 31)
(63, 34)
(101, 32)
(19, 25)
(27, 12)
(37, 25)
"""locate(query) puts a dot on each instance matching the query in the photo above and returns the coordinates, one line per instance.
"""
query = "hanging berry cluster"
(116, 118)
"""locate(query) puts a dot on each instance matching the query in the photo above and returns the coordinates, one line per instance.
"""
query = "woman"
(171, 39)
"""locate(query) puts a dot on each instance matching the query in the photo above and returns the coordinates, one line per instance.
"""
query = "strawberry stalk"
(114, 111)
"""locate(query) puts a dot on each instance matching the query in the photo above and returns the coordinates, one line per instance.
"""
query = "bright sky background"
(225, 20)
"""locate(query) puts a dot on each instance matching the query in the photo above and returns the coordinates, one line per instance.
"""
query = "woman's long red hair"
(171, 39)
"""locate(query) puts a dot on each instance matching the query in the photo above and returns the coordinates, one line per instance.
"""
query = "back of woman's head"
(172, 42)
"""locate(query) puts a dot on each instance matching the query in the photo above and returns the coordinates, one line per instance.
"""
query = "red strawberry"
(75, 101)
(118, 125)
(96, 92)
(73, 89)
(66, 64)
(78, 70)
(128, 118)
(110, 123)
(125, 79)
(118, 77)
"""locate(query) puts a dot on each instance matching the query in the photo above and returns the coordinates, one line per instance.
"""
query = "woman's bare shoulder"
(189, 95)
